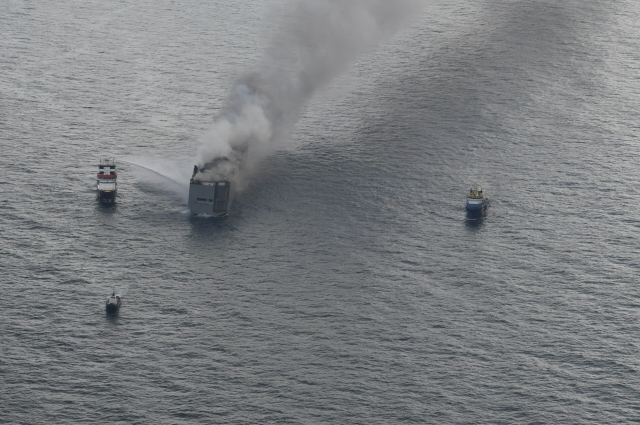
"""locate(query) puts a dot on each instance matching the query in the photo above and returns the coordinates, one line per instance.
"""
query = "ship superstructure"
(107, 181)
(209, 195)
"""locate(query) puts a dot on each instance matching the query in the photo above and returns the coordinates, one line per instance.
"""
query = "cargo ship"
(477, 203)
(107, 181)
(209, 194)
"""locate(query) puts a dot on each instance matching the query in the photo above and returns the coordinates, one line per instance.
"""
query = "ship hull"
(112, 308)
(107, 197)
(477, 211)
(210, 198)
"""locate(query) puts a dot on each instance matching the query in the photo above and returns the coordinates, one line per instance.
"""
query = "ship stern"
(209, 198)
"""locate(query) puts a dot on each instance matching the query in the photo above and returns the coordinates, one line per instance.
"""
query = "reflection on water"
(106, 208)
(474, 224)
(112, 317)
(207, 225)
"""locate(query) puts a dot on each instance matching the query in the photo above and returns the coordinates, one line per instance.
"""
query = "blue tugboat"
(477, 203)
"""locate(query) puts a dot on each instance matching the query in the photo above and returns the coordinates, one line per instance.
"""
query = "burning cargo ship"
(209, 193)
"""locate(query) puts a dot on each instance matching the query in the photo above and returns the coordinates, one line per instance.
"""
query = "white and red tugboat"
(107, 184)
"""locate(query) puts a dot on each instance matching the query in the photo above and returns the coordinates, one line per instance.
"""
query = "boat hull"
(112, 308)
(107, 197)
(477, 211)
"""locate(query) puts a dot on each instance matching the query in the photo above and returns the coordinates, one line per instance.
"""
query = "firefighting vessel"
(107, 181)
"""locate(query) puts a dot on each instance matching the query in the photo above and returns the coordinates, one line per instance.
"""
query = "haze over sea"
(345, 286)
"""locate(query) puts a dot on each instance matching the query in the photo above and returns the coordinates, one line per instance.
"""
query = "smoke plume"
(318, 42)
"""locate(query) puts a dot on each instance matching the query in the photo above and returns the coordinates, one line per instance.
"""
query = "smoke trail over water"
(317, 43)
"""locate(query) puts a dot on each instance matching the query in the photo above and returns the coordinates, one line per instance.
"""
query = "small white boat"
(113, 303)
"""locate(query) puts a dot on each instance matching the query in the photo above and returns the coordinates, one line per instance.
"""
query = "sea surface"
(345, 286)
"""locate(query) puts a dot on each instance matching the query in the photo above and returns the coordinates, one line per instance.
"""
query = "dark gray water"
(346, 286)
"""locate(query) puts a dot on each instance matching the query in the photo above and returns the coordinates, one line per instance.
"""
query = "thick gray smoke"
(317, 43)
